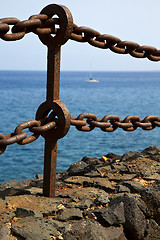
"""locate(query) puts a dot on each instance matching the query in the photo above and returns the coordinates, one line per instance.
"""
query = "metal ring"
(63, 117)
(66, 25)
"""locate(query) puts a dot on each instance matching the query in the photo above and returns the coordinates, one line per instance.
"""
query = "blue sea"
(120, 93)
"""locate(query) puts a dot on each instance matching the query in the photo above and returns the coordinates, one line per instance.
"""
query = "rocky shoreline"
(112, 198)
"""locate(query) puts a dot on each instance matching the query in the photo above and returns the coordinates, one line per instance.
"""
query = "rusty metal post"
(52, 95)
(50, 155)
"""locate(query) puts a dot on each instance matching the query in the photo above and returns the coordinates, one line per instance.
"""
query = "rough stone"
(120, 166)
(102, 200)
(2, 204)
(69, 214)
(46, 206)
(35, 183)
(152, 150)
(77, 168)
(13, 192)
(14, 184)
(91, 161)
(31, 228)
(129, 156)
(24, 212)
(6, 216)
(91, 230)
(152, 231)
(118, 177)
(79, 180)
(84, 204)
(152, 199)
(83, 193)
(101, 183)
(135, 222)
(62, 227)
(39, 176)
(4, 233)
(135, 187)
(34, 191)
(113, 156)
(111, 215)
(120, 188)
(104, 169)
(155, 176)
(143, 165)
(93, 174)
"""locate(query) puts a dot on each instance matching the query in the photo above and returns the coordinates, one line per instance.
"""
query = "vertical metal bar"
(50, 159)
(50, 154)
(53, 73)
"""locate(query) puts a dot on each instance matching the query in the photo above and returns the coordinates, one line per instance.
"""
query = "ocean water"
(120, 93)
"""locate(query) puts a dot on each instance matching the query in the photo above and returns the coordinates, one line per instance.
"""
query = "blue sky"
(136, 21)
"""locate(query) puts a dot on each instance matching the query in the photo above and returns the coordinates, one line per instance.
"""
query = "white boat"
(92, 80)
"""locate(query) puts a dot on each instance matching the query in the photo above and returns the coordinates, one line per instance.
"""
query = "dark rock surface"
(111, 198)
(92, 230)
(34, 228)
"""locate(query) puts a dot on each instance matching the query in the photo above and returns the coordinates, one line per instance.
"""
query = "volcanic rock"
(110, 198)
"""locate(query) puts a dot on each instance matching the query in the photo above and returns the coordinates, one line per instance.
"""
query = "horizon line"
(27, 70)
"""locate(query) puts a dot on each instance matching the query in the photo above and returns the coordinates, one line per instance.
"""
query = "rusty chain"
(43, 25)
(108, 123)
(37, 127)
(39, 24)
(105, 41)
